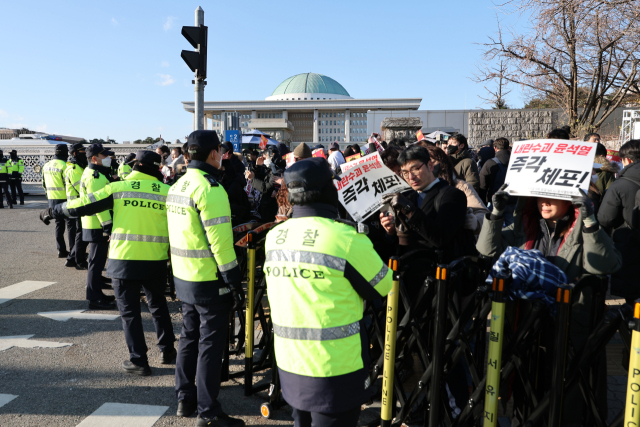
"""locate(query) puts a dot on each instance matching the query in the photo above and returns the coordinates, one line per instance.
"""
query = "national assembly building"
(307, 107)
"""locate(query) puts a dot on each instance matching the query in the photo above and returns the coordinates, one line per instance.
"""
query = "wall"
(514, 125)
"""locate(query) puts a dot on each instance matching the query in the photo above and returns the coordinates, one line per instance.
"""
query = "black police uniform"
(78, 254)
(4, 181)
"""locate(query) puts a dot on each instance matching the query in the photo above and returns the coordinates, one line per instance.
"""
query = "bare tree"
(496, 97)
(582, 55)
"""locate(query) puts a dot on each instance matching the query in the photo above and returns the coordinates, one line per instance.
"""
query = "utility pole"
(197, 62)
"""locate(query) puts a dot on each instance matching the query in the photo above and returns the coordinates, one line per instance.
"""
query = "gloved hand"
(499, 201)
(584, 203)
(399, 203)
(46, 216)
(237, 293)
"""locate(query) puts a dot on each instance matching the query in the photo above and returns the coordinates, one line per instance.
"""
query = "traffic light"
(197, 61)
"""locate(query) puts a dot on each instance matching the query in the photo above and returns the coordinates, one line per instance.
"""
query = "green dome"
(310, 83)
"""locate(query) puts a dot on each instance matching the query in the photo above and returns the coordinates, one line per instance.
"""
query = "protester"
(302, 151)
(234, 161)
(616, 214)
(348, 152)
(443, 169)
(606, 173)
(234, 183)
(285, 209)
(265, 179)
(335, 157)
(485, 153)
(390, 159)
(464, 166)
(592, 137)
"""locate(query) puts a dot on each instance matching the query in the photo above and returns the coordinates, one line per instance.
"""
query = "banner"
(550, 168)
(289, 158)
(361, 188)
(353, 157)
(263, 142)
(318, 152)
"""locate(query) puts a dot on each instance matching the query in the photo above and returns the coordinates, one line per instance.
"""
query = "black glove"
(399, 203)
(237, 293)
(46, 216)
(584, 203)
(499, 201)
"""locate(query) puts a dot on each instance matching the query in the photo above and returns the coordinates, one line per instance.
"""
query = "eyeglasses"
(414, 171)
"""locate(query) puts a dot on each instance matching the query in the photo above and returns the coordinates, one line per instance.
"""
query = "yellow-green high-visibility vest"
(140, 237)
(16, 168)
(124, 170)
(317, 272)
(95, 228)
(72, 178)
(53, 179)
(202, 251)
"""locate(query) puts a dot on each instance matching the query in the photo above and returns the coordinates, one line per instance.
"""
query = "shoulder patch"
(96, 174)
(212, 181)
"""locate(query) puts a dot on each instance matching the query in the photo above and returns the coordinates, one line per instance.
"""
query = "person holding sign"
(567, 234)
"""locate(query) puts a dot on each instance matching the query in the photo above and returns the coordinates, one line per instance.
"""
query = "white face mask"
(594, 178)
(106, 162)
(267, 162)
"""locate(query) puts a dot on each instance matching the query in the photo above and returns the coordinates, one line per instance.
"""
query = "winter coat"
(474, 204)
(466, 168)
(485, 153)
(606, 174)
(489, 173)
(614, 215)
(580, 251)
(234, 184)
(263, 181)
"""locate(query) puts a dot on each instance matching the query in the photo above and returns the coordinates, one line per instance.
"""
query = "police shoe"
(105, 279)
(222, 420)
(169, 357)
(70, 263)
(108, 298)
(106, 286)
(100, 304)
(131, 368)
(63, 254)
(82, 266)
(186, 408)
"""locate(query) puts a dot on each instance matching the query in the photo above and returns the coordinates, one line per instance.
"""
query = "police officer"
(125, 168)
(4, 181)
(138, 253)
(207, 279)
(318, 272)
(72, 178)
(15, 176)
(53, 183)
(96, 227)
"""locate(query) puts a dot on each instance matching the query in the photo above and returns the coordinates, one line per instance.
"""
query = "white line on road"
(63, 316)
(6, 398)
(124, 415)
(23, 341)
(14, 291)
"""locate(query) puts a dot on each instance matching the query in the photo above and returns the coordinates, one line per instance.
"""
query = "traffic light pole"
(199, 83)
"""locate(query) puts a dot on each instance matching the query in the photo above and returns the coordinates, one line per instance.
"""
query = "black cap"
(130, 158)
(62, 147)
(13, 152)
(205, 139)
(334, 146)
(148, 157)
(227, 146)
(76, 147)
(97, 148)
(318, 146)
(308, 175)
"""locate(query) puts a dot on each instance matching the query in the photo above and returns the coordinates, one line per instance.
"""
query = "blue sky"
(95, 68)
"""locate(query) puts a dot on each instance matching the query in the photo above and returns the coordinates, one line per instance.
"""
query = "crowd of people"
(458, 203)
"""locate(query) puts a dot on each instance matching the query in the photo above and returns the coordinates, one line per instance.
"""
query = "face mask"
(436, 170)
(106, 162)
(14, 156)
(451, 149)
(267, 162)
(594, 178)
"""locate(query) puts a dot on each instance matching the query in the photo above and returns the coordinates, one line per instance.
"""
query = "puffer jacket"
(581, 251)
(466, 168)
(606, 174)
(475, 206)
(615, 214)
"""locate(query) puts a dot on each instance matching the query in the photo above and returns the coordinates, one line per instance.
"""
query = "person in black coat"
(490, 170)
(615, 215)
(266, 178)
(234, 183)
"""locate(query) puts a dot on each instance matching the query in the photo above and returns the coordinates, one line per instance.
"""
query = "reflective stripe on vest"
(139, 238)
(181, 200)
(378, 277)
(53, 170)
(55, 188)
(201, 253)
(139, 195)
(317, 334)
(307, 257)
(216, 221)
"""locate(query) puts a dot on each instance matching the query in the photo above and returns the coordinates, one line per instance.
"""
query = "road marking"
(124, 415)
(23, 341)
(63, 316)
(6, 398)
(14, 291)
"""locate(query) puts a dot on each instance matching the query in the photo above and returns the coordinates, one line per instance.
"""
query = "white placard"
(364, 182)
(551, 168)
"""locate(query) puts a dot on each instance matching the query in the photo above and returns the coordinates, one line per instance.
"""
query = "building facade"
(306, 107)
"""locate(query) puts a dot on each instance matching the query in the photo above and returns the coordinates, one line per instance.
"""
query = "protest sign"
(289, 159)
(613, 156)
(364, 182)
(318, 152)
(353, 157)
(355, 161)
(550, 168)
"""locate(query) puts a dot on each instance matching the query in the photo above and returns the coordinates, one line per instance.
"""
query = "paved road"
(74, 384)
(64, 386)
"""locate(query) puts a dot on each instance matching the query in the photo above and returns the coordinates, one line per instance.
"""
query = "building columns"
(347, 125)
(315, 126)
(285, 114)
(254, 115)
